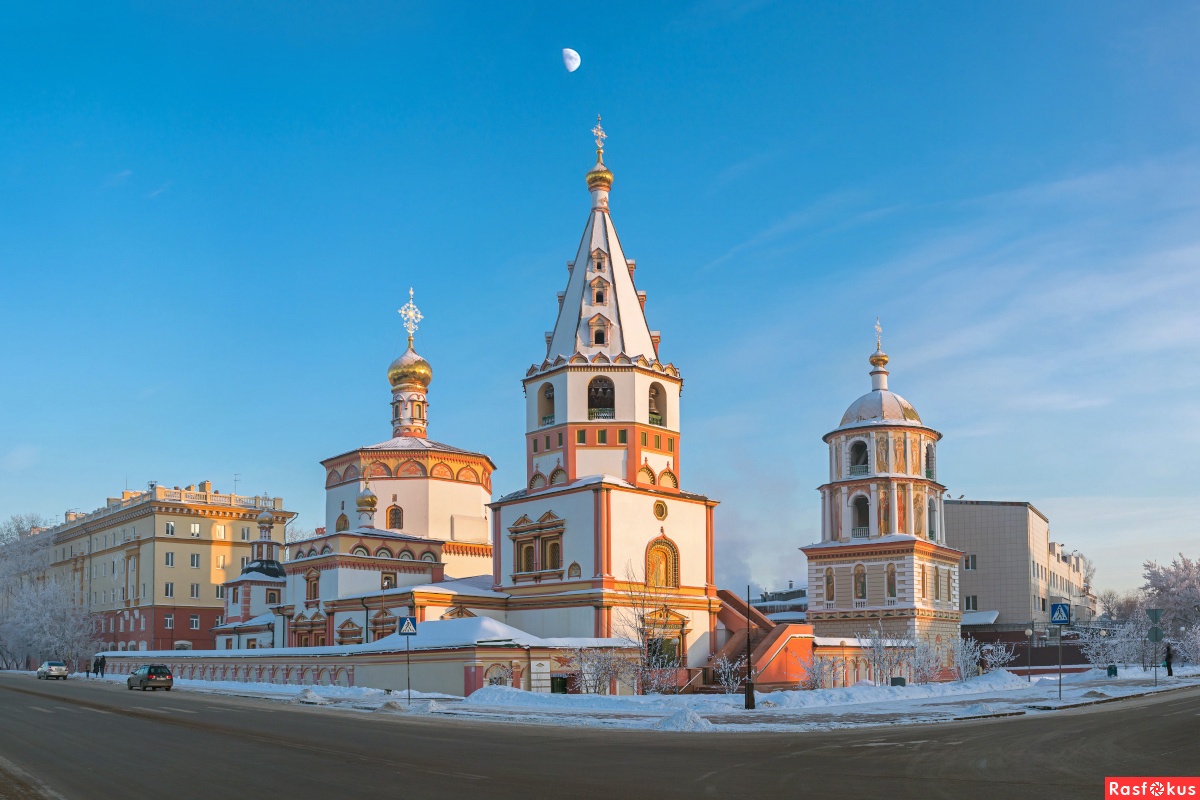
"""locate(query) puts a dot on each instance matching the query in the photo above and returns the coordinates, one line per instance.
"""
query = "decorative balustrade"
(929, 475)
(860, 603)
(858, 469)
(548, 419)
(891, 601)
(602, 413)
(656, 419)
(860, 533)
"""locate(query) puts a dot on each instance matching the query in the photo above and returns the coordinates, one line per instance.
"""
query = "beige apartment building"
(151, 564)
(1011, 567)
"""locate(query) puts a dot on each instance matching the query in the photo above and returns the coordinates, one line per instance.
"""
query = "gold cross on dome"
(599, 133)
(410, 314)
(878, 335)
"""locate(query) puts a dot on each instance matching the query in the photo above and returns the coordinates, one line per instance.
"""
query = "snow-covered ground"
(996, 693)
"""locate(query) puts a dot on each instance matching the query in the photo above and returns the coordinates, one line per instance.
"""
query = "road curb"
(1113, 699)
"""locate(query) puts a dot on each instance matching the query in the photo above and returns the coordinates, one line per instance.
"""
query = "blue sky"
(209, 213)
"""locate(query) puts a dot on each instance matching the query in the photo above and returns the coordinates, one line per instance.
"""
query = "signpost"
(408, 628)
(1155, 635)
(1060, 615)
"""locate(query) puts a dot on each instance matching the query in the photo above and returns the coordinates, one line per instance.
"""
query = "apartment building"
(1011, 567)
(151, 565)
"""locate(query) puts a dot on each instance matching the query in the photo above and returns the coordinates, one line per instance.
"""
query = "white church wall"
(685, 525)
(601, 461)
(555, 622)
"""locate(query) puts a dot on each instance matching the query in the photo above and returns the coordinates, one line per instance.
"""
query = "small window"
(168, 619)
(535, 444)
(220, 592)
(670, 444)
(560, 438)
(220, 562)
(388, 581)
(218, 531)
(236, 594)
(602, 437)
(194, 622)
(169, 531)
(395, 518)
(195, 595)
(169, 559)
(622, 437)
(272, 597)
(643, 438)
(195, 529)
(245, 534)
(657, 442)
(169, 590)
(581, 437)
(599, 296)
(245, 561)
(547, 442)
(195, 560)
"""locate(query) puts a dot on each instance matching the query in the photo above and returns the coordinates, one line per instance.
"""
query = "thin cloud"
(159, 190)
(117, 178)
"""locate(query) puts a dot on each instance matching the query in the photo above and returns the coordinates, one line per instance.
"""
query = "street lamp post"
(1029, 653)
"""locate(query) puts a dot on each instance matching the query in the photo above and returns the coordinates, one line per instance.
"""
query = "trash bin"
(899, 682)
(1112, 670)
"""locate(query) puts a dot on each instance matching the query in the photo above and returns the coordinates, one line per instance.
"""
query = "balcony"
(891, 601)
(656, 419)
(858, 469)
(860, 533)
(830, 604)
(602, 413)
(547, 420)
(860, 603)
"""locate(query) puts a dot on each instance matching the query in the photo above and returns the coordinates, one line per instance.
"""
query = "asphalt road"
(74, 740)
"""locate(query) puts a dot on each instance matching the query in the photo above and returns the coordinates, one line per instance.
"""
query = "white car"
(52, 669)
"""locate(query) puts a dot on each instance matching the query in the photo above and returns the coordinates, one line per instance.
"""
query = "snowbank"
(684, 720)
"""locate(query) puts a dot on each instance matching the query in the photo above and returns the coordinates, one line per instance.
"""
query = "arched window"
(430, 557)
(937, 583)
(405, 555)
(667, 478)
(662, 565)
(930, 462)
(599, 336)
(646, 475)
(343, 524)
(829, 590)
(932, 518)
(395, 518)
(326, 550)
(658, 404)
(538, 481)
(558, 476)
(858, 458)
(383, 552)
(891, 580)
(599, 296)
(601, 398)
(527, 558)
(360, 551)
(553, 556)
(545, 398)
(860, 582)
(862, 518)
(573, 571)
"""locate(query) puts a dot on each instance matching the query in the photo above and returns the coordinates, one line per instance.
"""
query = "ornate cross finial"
(411, 316)
(599, 133)
(878, 335)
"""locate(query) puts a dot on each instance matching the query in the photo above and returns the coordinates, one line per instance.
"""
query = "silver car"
(52, 669)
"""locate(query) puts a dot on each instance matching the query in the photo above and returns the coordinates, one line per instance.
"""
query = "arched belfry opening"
(859, 458)
(658, 404)
(601, 399)
(862, 517)
(545, 398)
(930, 462)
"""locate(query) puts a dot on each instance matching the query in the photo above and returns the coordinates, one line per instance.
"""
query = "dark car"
(151, 676)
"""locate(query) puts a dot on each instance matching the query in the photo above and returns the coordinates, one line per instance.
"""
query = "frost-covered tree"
(594, 669)
(729, 673)
(53, 621)
(997, 655)
(965, 654)
(1175, 588)
(643, 618)
(887, 655)
(814, 672)
(24, 557)
(924, 660)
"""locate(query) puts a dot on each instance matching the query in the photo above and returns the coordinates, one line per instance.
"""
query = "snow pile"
(424, 708)
(977, 710)
(683, 720)
(1095, 695)
(309, 697)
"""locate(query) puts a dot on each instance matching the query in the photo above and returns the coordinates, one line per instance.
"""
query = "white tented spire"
(600, 311)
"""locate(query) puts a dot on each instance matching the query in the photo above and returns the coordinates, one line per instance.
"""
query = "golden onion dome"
(366, 500)
(879, 358)
(410, 369)
(599, 176)
(265, 518)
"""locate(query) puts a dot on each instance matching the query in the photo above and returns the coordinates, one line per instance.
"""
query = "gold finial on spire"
(878, 335)
(600, 135)
(879, 359)
(411, 316)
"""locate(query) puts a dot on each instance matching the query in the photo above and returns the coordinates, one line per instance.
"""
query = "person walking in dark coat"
(1170, 672)
(96, 665)
(103, 662)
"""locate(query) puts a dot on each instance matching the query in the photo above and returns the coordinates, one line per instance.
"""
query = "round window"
(660, 509)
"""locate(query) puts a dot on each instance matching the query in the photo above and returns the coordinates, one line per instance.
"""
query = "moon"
(570, 59)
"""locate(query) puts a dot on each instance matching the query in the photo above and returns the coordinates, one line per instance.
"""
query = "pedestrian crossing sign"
(408, 626)
(1060, 614)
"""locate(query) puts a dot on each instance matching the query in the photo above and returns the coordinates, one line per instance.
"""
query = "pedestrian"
(96, 665)
(87, 666)
(1170, 672)
(103, 663)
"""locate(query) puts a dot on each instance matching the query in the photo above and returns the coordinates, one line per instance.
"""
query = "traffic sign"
(408, 626)
(1154, 635)
(1155, 614)
(1060, 614)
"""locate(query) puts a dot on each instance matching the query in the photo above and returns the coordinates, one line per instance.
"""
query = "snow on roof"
(788, 616)
(261, 619)
(365, 530)
(431, 635)
(891, 538)
(979, 617)
(474, 586)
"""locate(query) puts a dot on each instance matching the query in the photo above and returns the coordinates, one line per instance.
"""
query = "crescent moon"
(570, 59)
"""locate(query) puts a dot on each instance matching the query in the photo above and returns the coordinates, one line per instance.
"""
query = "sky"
(210, 213)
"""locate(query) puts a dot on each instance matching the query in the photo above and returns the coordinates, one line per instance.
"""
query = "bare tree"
(594, 669)
(730, 674)
(814, 672)
(997, 655)
(1118, 605)
(20, 525)
(886, 654)
(924, 660)
(1087, 568)
(644, 618)
(965, 654)
(294, 532)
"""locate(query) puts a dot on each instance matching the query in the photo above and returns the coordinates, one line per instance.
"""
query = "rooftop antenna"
(237, 476)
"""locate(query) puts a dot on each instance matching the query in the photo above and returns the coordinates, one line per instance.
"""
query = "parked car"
(52, 669)
(151, 676)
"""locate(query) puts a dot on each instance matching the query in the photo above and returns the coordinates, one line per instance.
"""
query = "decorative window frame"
(548, 530)
(663, 542)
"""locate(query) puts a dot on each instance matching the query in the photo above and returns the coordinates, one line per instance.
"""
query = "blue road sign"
(1060, 614)
(408, 626)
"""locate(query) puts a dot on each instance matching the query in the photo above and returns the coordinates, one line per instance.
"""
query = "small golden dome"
(410, 369)
(265, 518)
(879, 359)
(599, 176)
(366, 499)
